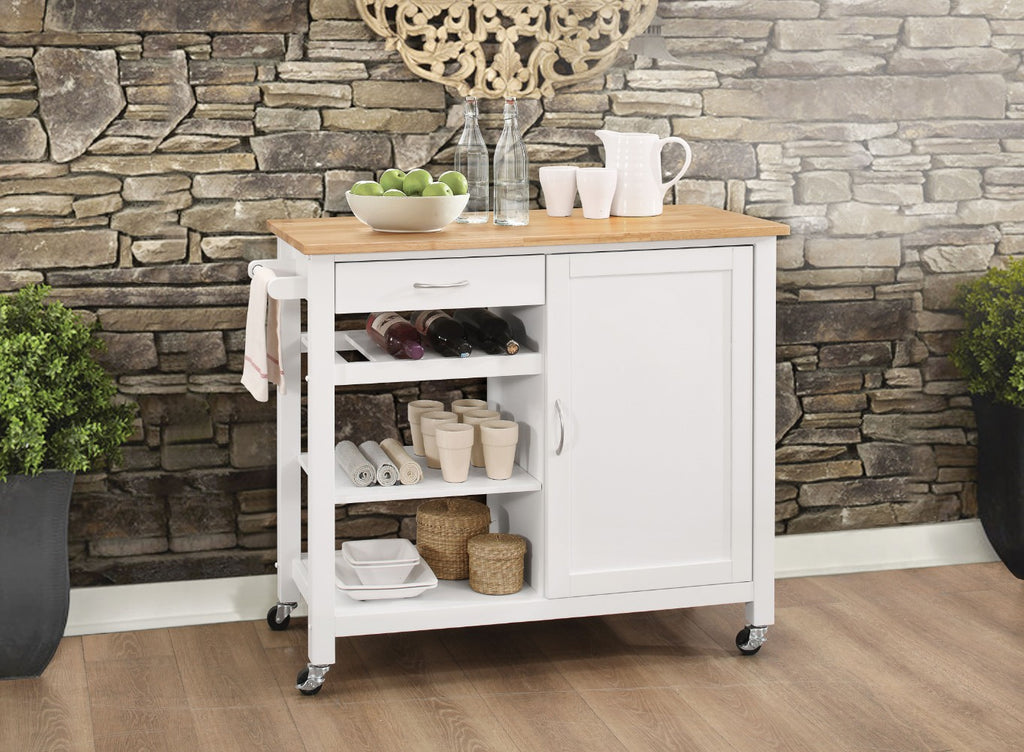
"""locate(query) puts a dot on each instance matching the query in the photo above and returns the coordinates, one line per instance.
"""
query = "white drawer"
(477, 282)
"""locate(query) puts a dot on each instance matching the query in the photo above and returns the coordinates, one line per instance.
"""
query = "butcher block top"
(341, 235)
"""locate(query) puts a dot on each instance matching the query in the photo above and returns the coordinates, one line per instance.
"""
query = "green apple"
(367, 188)
(394, 192)
(456, 181)
(415, 182)
(437, 189)
(392, 179)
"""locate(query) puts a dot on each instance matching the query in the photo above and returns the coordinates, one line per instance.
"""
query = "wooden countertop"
(340, 235)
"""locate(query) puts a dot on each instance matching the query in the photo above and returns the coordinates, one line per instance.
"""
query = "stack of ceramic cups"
(467, 435)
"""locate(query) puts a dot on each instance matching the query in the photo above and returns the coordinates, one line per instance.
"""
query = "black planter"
(1001, 479)
(34, 586)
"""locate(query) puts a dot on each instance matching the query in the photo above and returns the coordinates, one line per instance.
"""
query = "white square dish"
(419, 580)
(383, 561)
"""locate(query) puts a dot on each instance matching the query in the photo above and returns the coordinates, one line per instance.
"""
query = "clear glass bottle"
(511, 172)
(471, 160)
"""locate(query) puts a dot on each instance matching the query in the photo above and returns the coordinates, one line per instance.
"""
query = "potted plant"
(990, 354)
(57, 417)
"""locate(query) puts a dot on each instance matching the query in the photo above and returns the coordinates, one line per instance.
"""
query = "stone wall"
(144, 144)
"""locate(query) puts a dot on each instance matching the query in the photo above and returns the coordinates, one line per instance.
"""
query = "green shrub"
(990, 350)
(56, 401)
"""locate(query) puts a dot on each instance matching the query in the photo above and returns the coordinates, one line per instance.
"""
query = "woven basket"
(443, 528)
(496, 563)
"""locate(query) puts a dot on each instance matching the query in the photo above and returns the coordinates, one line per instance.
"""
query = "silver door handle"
(561, 427)
(430, 285)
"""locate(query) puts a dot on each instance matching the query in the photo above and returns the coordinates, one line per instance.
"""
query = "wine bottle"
(395, 335)
(443, 333)
(487, 330)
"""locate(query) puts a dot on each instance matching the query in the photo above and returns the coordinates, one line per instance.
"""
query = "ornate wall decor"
(497, 48)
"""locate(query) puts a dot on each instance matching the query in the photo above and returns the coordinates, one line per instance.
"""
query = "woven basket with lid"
(496, 563)
(443, 528)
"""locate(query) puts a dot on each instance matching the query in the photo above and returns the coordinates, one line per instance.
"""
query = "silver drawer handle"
(561, 427)
(431, 285)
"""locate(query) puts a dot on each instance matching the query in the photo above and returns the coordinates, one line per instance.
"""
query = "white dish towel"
(262, 338)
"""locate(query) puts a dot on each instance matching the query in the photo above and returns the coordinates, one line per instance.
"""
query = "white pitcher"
(637, 156)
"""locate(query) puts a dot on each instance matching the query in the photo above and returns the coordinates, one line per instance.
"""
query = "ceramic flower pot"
(428, 426)
(462, 406)
(1001, 479)
(454, 447)
(416, 410)
(34, 582)
(475, 418)
(499, 439)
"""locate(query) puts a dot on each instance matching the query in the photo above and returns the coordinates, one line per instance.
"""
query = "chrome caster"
(279, 616)
(750, 639)
(311, 679)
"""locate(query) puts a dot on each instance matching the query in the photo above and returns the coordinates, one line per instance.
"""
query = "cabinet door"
(648, 481)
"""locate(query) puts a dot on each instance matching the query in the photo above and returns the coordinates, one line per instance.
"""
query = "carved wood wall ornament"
(498, 48)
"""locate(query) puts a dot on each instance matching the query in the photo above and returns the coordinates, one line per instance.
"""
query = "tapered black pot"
(34, 585)
(1001, 479)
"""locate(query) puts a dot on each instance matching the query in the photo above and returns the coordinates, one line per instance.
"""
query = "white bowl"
(380, 551)
(406, 213)
(383, 561)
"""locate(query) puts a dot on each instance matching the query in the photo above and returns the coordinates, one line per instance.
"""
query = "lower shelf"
(455, 604)
(451, 603)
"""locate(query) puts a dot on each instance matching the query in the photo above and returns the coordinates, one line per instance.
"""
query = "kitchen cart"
(645, 395)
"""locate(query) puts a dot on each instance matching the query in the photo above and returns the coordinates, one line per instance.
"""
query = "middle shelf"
(432, 486)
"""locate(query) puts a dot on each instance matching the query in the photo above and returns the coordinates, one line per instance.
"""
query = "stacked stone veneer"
(143, 144)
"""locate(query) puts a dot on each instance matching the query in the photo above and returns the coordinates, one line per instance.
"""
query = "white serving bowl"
(406, 213)
(381, 561)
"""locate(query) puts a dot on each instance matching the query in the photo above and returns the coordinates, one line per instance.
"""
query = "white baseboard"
(898, 547)
(121, 608)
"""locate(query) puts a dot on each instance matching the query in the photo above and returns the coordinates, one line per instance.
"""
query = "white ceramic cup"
(428, 426)
(416, 409)
(559, 185)
(462, 406)
(499, 438)
(475, 418)
(454, 447)
(597, 188)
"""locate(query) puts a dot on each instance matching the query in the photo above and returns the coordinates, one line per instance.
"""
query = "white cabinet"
(650, 477)
(644, 393)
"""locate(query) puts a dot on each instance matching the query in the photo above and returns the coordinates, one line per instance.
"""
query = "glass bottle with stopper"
(471, 160)
(511, 172)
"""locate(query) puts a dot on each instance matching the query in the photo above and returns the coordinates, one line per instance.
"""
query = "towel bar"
(289, 287)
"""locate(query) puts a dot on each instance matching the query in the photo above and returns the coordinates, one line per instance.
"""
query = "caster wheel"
(274, 624)
(302, 679)
(750, 639)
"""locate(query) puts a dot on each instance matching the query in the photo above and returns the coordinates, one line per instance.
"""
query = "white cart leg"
(321, 479)
(760, 612)
(289, 474)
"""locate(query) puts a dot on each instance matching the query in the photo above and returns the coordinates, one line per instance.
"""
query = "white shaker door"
(649, 452)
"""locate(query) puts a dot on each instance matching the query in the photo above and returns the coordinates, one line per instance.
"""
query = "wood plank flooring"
(926, 660)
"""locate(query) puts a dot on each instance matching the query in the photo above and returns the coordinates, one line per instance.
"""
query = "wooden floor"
(927, 659)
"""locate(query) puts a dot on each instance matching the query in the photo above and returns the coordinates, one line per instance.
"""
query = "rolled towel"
(409, 471)
(356, 466)
(387, 473)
